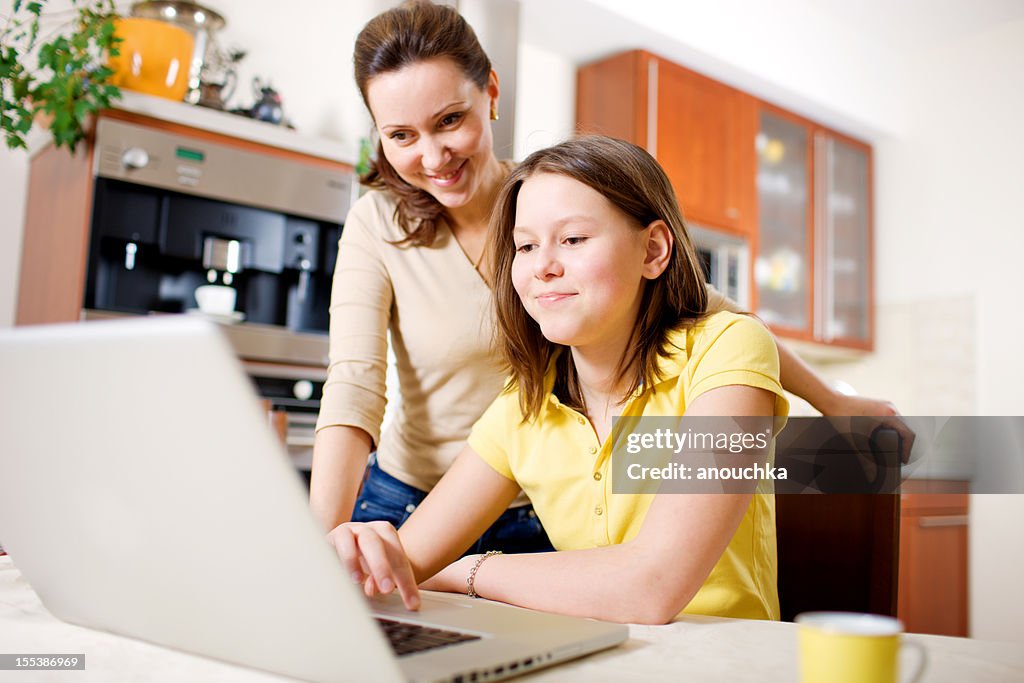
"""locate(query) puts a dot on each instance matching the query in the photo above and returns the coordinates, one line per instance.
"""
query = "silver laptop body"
(143, 493)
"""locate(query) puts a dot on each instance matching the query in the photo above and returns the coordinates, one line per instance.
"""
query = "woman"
(409, 263)
(600, 304)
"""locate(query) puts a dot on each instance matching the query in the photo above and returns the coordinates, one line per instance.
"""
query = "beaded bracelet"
(470, 590)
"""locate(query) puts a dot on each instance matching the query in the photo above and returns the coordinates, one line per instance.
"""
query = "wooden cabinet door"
(845, 313)
(784, 266)
(612, 96)
(814, 264)
(705, 142)
(933, 564)
(701, 131)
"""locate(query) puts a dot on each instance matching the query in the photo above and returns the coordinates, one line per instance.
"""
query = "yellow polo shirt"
(560, 464)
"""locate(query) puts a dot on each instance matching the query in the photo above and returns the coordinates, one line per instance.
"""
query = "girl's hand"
(845, 407)
(451, 579)
(373, 555)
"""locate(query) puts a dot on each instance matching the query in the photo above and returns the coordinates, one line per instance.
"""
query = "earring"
(494, 113)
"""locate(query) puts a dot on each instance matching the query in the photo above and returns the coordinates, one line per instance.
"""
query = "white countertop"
(215, 121)
(694, 649)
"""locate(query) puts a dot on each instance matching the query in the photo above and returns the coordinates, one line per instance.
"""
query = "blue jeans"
(387, 499)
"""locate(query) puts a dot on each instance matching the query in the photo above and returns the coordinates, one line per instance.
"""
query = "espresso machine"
(171, 214)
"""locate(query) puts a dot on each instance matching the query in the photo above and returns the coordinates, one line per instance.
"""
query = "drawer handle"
(945, 520)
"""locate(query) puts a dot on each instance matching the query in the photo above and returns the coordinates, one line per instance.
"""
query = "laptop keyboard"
(407, 638)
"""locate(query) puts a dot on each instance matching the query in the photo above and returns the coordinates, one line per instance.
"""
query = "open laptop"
(142, 492)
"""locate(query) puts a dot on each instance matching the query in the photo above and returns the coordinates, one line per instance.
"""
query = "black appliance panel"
(190, 220)
(146, 254)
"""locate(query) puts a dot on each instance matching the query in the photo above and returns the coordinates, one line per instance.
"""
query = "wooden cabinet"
(798, 193)
(784, 264)
(933, 563)
(813, 269)
(701, 132)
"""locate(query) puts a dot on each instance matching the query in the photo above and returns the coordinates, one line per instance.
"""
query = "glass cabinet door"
(782, 270)
(845, 299)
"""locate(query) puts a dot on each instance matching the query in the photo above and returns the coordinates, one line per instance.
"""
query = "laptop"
(143, 493)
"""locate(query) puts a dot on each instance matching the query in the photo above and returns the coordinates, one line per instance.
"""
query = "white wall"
(13, 183)
(968, 108)
(950, 247)
(546, 103)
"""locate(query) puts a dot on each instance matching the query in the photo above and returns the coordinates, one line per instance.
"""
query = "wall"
(13, 182)
(546, 106)
(949, 246)
(954, 195)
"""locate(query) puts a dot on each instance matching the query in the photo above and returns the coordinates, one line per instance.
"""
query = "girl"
(600, 307)
(408, 264)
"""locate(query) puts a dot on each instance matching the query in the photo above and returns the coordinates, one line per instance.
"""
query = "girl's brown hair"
(635, 184)
(416, 31)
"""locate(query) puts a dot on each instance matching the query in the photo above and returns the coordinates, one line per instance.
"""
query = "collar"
(669, 367)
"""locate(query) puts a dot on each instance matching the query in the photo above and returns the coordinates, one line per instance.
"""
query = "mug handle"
(922, 662)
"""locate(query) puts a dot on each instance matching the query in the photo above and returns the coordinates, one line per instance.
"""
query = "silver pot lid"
(184, 13)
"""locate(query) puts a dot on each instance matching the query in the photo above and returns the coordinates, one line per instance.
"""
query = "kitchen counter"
(694, 649)
(215, 121)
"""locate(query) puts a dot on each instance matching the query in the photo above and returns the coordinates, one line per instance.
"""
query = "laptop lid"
(142, 492)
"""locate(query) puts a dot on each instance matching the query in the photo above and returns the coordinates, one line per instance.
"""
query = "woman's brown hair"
(416, 31)
(635, 184)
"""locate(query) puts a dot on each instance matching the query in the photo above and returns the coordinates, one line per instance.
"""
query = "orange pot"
(155, 57)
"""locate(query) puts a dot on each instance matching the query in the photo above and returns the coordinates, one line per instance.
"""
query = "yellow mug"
(847, 647)
(155, 57)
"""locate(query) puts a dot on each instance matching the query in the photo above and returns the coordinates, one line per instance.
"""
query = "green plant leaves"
(70, 82)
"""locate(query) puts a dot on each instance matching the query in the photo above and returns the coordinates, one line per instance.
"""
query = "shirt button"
(597, 476)
(598, 511)
(593, 450)
(362, 506)
(409, 508)
(582, 420)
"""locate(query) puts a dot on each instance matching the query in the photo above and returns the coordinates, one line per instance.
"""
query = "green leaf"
(46, 53)
(14, 141)
(83, 108)
(24, 124)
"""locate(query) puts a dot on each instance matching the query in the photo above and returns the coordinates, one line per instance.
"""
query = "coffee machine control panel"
(271, 180)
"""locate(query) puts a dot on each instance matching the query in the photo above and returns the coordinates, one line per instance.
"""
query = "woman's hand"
(373, 555)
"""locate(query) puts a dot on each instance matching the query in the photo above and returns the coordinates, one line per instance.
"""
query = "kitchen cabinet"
(813, 269)
(933, 560)
(797, 194)
(700, 130)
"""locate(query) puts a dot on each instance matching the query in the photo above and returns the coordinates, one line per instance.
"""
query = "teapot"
(268, 103)
(215, 95)
(219, 76)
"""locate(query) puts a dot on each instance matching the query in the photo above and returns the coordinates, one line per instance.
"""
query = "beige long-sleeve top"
(438, 310)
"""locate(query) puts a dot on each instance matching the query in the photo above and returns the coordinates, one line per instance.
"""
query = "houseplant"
(53, 64)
